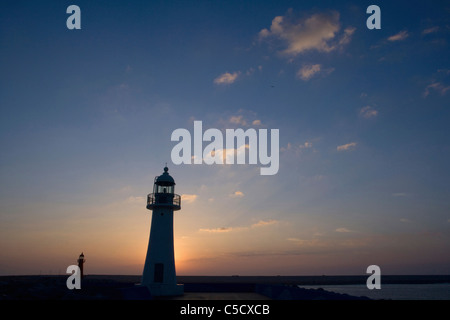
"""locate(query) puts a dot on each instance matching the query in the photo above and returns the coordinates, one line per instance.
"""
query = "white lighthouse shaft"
(160, 262)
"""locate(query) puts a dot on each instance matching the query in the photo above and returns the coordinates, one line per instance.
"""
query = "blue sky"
(363, 116)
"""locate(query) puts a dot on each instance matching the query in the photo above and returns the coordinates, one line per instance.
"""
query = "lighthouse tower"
(159, 270)
(81, 262)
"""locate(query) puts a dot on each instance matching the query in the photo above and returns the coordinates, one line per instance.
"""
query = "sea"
(438, 291)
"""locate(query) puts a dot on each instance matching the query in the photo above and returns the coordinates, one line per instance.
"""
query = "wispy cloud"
(263, 223)
(237, 194)
(243, 118)
(402, 35)
(189, 198)
(400, 194)
(368, 112)
(227, 78)
(430, 30)
(344, 230)
(308, 71)
(347, 36)
(259, 224)
(436, 86)
(346, 147)
(135, 200)
(315, 32)
(297, 149)
(218, 230)
(306, 145)
(224, 155)
(239, 120)
(294, 239)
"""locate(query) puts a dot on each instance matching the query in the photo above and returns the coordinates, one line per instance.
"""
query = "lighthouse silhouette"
(159, 274)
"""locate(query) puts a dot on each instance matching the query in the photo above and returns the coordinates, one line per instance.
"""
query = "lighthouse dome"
(165, 179)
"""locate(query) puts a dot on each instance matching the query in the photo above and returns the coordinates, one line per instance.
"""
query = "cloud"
(262, 223)
(347, 146)
(402, 35)
(444, 71)
(135, 200)
(259, 224)
(249, 72)
(400, 194)
(227, 78)
(430, 30)
(297, 149)
(237, 194)
(368, 112)
(243, 121)
(436, 86)
(343, 230)
(239, 120)
(188, 198)
(226, 155)
(315, 32)
(347, 37)
(217, 230)
(308, 71)
(306, 145)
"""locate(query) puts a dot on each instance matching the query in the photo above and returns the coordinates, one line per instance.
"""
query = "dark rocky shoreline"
(114, 287)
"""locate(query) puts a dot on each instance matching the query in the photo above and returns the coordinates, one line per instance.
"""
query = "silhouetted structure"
(159, 271)
(81, 262)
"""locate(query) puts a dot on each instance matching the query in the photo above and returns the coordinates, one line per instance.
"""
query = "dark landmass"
(316, 280)
(118, 287)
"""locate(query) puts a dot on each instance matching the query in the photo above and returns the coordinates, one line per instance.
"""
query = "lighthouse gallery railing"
(164, 199)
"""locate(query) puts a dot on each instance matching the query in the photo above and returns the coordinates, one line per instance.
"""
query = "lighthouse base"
(165, 290)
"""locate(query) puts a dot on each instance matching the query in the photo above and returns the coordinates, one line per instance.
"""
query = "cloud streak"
(430, 30)
(227, 78)
(259, 224)
(311, 70)
(402, 35)
(344, 230)
(346, 147)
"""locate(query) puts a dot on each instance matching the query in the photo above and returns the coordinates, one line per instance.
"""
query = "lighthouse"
(159, 274)
(81, 262)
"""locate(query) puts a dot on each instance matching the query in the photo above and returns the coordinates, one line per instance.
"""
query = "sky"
(364, 137)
